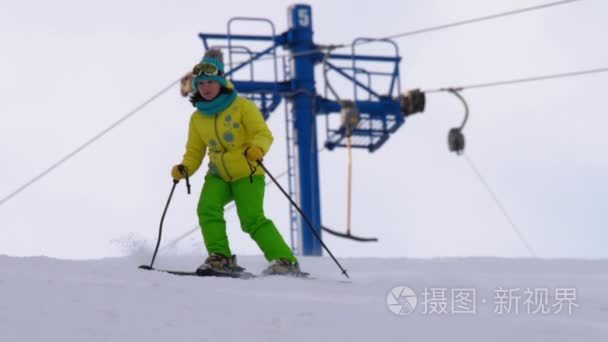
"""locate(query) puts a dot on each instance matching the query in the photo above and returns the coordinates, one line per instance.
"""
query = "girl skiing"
(232, 130)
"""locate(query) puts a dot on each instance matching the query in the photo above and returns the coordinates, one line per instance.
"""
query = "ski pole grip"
(182, 169)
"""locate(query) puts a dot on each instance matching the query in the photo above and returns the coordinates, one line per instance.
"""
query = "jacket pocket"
(236, 161)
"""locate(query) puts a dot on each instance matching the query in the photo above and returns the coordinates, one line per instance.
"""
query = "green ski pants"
(249, 199)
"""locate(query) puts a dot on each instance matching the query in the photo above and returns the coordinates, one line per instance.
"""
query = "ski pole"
(184, 172)
(304, 216)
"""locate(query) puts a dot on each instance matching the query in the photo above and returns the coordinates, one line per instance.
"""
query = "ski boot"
(222, 266)
(284, 267)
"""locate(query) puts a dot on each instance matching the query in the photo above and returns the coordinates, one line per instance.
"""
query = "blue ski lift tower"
(371, 117)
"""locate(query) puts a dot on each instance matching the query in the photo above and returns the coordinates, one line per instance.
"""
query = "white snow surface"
(45, 299)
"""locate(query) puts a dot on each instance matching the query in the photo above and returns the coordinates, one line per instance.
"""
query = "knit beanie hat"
(213, 57)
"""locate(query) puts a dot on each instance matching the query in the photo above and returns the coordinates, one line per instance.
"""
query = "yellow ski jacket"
(226, 136)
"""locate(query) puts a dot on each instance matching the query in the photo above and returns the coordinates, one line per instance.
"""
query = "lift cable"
(500, 205)
(426, 29)
(88, 142)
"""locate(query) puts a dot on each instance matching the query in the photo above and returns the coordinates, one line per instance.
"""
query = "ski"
(303, 275)
(208, 272)
(203, 273)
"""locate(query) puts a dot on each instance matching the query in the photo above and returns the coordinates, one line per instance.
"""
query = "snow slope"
(44, 299)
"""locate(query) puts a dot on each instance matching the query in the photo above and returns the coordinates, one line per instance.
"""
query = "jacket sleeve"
(258, 133)
(195, 148)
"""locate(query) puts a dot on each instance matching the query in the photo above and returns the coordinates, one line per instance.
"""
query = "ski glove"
(254, 153)
(176, 173)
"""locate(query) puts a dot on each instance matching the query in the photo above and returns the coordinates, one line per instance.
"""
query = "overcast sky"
(70, 68)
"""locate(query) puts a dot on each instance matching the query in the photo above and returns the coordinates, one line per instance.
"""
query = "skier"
(233, 131)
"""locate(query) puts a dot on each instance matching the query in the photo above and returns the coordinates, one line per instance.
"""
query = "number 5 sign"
(299, 16)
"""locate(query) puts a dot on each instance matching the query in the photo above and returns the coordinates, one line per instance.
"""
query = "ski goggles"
(207, 69)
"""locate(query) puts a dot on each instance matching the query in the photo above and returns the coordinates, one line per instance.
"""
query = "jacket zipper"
(217, 135)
